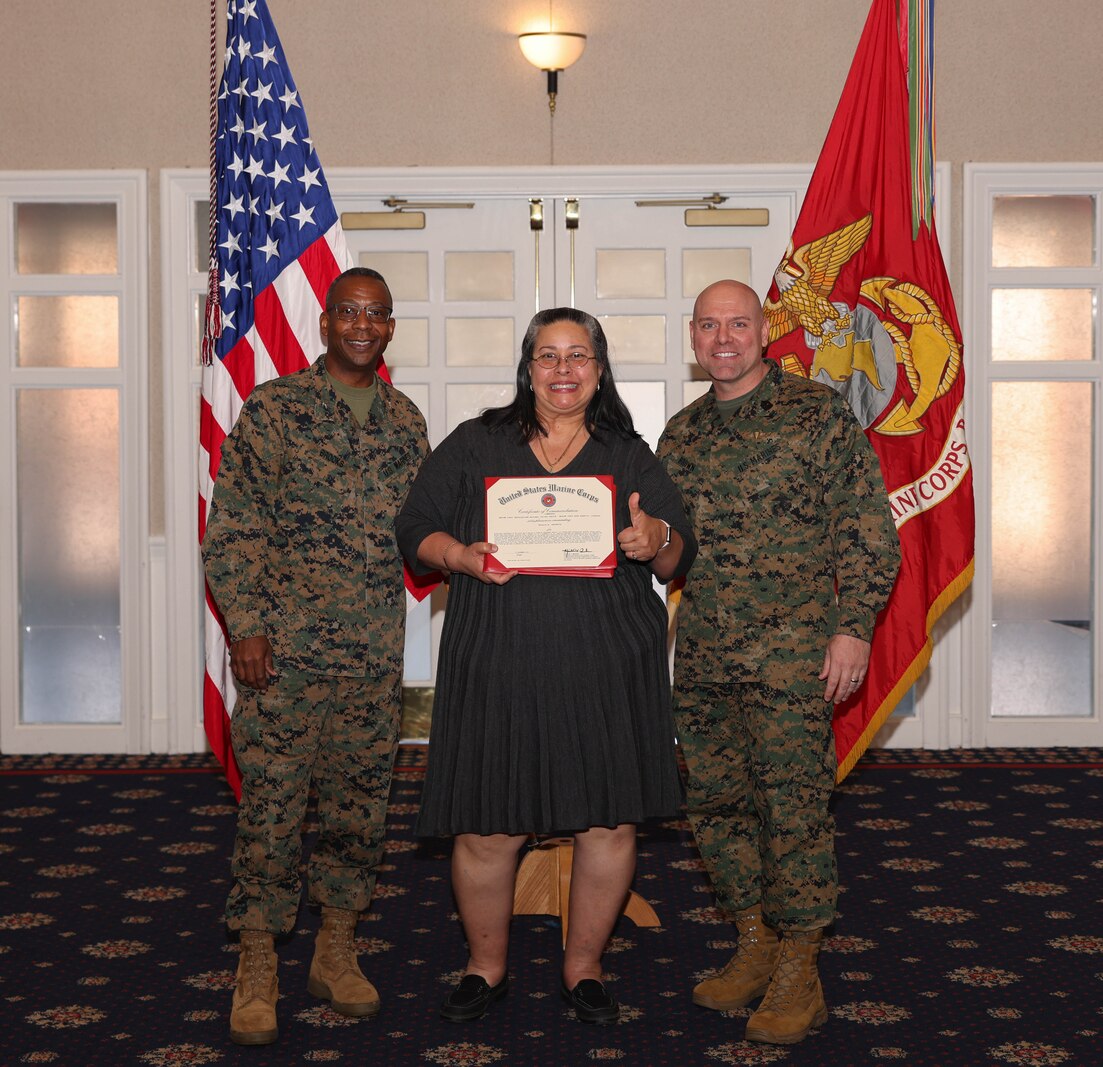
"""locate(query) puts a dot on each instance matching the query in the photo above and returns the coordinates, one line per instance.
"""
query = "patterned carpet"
(970, 929)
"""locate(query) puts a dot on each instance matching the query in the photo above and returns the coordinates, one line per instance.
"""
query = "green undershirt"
(358, 397)
(728, 408)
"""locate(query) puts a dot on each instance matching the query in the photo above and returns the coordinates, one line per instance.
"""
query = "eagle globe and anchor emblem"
(855, 350)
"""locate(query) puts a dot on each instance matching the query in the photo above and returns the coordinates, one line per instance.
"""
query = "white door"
(467, 280)
(74, 647)
(467, 274)
(638, 263)
(1034, 286)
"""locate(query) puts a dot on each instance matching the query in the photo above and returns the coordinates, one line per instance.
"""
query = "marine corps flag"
(861, 302)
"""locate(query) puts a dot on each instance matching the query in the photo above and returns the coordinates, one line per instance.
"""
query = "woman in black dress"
(552, 707)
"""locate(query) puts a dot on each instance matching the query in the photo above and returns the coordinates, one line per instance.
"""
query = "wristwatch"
(667, 541)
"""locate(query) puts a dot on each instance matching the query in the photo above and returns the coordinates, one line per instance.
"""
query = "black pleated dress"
(552, 708)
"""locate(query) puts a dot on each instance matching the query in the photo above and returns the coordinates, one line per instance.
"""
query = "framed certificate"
(551, 525)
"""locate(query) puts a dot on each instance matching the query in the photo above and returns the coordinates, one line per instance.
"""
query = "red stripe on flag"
(274, 330)
(216, 712)
(240, 365)
(320, 267)
(211, 436)
(216, 724)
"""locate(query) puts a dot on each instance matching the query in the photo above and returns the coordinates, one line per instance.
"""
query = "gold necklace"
(553, 465)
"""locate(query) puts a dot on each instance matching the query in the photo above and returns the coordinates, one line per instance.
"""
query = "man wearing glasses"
(300, 555)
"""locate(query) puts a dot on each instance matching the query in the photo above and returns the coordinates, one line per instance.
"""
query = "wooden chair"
(544, 886)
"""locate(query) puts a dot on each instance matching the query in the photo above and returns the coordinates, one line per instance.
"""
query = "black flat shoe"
(471, 999)
(591, 1003)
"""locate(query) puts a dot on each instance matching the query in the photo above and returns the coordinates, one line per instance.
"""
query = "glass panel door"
(67, 456)
(1041, 549)
(74, 630)
(638, 265)
(1034, 280)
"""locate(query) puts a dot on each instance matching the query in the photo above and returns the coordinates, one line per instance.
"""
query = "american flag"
(278, 245)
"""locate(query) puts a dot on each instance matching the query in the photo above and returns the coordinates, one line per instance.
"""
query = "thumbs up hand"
(645, 537)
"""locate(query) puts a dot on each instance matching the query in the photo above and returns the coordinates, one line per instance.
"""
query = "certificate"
(551, 525)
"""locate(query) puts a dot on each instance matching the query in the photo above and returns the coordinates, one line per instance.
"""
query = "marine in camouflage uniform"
(788, 505)
(300, 554)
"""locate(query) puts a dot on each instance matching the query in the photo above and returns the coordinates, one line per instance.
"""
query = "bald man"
(798, 554)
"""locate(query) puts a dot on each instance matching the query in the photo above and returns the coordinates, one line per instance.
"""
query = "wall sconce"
(552, 52)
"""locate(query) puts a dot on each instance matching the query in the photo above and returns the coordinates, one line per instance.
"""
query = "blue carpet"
(970, 929)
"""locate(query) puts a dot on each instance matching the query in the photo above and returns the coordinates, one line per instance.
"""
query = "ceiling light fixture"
(551, 53)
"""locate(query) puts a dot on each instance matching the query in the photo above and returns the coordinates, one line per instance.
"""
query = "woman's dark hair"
(606, 410)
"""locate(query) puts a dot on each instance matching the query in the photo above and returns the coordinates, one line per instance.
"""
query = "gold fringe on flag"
(910, 675)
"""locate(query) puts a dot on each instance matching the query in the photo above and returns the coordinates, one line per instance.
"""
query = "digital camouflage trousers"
(760, 767)
(339, 734)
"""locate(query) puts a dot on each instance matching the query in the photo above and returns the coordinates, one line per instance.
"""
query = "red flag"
(277, 243)
(861, 304)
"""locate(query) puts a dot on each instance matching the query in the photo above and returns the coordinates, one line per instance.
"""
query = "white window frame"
(127, 190)
(181, 190)
(984, 182)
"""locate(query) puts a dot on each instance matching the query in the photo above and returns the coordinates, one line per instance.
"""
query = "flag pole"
(212, 317)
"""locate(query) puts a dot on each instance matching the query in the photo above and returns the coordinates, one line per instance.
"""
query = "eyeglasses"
(550, 360)
(377, 313)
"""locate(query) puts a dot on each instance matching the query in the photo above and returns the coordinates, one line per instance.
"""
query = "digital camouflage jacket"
(787, 500)
(300, 542)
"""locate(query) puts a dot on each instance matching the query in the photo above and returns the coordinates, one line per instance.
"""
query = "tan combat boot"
(747, 973)
(253, 1015)
(794, 1003)
(334, 972)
